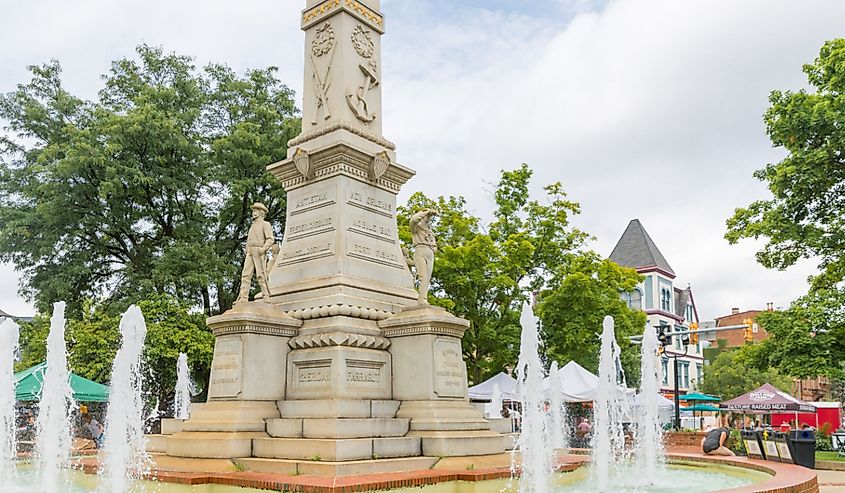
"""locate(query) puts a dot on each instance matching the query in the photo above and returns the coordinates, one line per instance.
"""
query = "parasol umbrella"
(696, 397)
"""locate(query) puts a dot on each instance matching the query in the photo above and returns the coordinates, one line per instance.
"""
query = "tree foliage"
(808, 339)
(735, 372)
(581, 293)
(144, 190)
(484, 273)
(94, 338)
(803, 219)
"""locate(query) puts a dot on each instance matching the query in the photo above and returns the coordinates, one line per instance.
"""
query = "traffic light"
(693, 337)
(662, 337)
(747, 332)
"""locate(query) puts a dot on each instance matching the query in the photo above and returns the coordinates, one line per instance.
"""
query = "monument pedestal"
(429, 377)
(248, 376)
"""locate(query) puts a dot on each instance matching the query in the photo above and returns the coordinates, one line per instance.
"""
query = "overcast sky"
(642, 108)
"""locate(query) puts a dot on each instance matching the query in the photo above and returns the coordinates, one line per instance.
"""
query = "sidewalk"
(831, 481)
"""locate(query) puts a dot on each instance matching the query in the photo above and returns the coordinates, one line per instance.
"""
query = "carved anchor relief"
(322, 44)
(357, 100)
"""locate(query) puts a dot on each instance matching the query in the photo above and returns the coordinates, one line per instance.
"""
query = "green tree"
(733, 373)
(808, 339)
(94, 338)
(484, 273)
(144, 190)
(803, 219)
(581, 293)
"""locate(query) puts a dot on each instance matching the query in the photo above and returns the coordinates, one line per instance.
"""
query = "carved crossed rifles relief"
(322, 44)
(362, 41)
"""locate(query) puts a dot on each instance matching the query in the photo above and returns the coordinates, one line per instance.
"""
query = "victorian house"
(667, 306)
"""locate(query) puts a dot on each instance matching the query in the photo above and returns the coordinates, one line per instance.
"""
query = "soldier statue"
(259, 240)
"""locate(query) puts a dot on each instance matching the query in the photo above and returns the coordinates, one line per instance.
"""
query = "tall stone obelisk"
(343, 362)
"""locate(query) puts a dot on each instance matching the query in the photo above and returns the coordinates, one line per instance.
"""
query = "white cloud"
(642, 108)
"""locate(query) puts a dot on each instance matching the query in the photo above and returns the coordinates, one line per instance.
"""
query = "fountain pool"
(695, 476)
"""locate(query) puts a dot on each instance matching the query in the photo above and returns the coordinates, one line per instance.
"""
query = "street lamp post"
(665, 340)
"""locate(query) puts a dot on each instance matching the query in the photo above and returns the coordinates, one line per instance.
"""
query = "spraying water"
(537, 455)
(557, 411)
(125, 444)
(185, 388)
(608, 409)
(9, 333)
(494, 409)
(650, 454)
(55, 406)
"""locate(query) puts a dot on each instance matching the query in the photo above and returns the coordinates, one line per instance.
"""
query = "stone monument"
(344, 360)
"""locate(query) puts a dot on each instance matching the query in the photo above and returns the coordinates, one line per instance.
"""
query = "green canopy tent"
(701, 408)
(695, 398)
(28, 386)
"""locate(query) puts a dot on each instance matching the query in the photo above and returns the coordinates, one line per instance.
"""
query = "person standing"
(258, 242)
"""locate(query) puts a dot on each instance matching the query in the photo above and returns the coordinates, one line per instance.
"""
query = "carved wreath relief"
(322, 44)
(363, 43)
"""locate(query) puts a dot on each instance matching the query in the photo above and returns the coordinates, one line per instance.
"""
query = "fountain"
(649, 455)
(608, 434)
(54, 409)
(533, 443)
(9, 333)
(125, 443)
(557, 412)
(494, 409)
(185, 388)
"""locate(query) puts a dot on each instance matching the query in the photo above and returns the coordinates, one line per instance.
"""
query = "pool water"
(27, 481)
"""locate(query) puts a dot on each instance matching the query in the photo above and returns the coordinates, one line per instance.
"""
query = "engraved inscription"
(313, 200)
(373, 229)
(226, 368)
(312, 375)
(379, 256)
(371, 203)
(313, 372)
(307, 253)
(363, 375)
(309, 228)
(449, 368)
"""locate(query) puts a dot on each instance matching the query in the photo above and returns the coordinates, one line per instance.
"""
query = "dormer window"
(665, 300)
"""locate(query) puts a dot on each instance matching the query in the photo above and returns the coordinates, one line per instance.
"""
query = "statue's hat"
(260, 207)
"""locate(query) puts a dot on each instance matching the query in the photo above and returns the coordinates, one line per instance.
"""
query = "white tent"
(576, 383)
(484, 390)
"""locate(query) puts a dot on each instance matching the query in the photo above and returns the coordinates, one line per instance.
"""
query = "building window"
(699, 372)
(665, 364)
(636, 300)
(689, 313)
(684, 369)
(665, 300)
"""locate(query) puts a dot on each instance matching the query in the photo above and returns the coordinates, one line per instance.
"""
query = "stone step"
(338, 408)
(449, 425)
(223, 425)
(460, 443)
(241, 410)
(313, 449)
(156, 443)
(397, 447)
(170, 426)
(211, 445)
(337, 469)
(337, 428)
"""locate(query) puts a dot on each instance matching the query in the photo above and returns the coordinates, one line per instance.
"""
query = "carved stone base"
(249, 352)
(339, 372)
(425, 343)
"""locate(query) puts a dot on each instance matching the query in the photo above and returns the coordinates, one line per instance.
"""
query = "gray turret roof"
(636, 249)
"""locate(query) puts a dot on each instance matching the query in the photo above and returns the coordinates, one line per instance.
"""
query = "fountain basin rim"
(786, 478)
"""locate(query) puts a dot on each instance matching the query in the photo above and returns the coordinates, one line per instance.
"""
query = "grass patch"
(829, 456)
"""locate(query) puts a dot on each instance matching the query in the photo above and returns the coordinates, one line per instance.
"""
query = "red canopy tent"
(767, 399)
